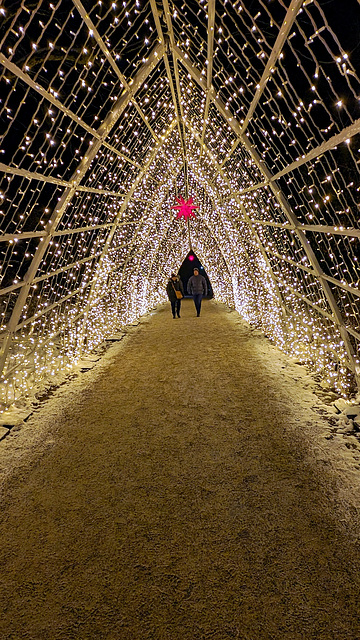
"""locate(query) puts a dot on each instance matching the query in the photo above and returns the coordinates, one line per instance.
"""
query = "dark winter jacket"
(170, 288)
(197, 284)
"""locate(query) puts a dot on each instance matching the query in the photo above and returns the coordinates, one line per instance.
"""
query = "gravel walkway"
(175, 493)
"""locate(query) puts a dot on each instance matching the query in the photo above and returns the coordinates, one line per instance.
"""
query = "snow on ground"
(34, 436)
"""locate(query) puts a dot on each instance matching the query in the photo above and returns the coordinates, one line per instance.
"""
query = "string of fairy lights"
(89, 170)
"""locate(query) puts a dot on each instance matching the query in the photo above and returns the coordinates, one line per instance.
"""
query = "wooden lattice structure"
(110, 110)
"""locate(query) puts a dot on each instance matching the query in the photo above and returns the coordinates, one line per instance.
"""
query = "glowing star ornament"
(185, 208)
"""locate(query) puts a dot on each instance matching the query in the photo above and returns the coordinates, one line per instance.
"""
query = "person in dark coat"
(197, 288)
(173, 286)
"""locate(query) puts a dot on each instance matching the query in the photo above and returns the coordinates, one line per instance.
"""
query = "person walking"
(197, 288)
(175, 291)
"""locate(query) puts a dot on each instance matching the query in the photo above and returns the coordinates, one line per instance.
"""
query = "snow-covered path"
(184, 489)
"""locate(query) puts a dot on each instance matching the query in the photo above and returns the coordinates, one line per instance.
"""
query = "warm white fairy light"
(85, 287)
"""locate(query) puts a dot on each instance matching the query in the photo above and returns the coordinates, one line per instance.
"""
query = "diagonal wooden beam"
(209, 63)
(94, 32)
(64, 232)
(299, 295)
(33, 175)
(174, 172)
(287, 24)
(253, 231)
(115, 224)
(333, 142)
(321, 228)
(161, 37)
(316, 270)
(302, 267)
(175, 93)
(62, 205)
(168, 20)
(24, 77)
(289, 20)
(284, 205)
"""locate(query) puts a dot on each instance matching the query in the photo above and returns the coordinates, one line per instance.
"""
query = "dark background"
(187, 270)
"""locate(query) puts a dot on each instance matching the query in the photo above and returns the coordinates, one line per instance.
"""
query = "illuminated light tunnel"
(111, 110)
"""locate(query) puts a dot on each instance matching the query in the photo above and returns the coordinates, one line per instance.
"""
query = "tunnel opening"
(186, 270)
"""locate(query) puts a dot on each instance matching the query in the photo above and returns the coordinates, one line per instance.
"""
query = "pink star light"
(185, 208)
